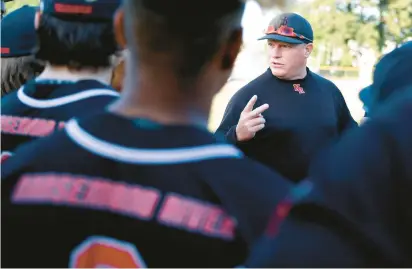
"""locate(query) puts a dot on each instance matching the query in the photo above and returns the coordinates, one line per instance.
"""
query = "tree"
(398, 21)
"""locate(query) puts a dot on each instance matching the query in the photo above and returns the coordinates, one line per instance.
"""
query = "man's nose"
(275, 52)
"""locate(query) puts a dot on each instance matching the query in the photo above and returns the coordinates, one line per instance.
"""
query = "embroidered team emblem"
(298, 88)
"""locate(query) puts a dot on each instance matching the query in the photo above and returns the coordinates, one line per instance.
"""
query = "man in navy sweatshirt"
(357, 212)
(287, 114)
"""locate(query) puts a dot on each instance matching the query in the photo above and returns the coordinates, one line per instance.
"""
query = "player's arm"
(347, 219)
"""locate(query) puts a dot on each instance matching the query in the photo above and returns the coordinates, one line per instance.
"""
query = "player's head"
(18, 39)
(392, 74)
(190, 39)
(289, 37)
(76, 33)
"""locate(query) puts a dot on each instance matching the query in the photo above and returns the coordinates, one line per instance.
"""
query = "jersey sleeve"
(353, 217)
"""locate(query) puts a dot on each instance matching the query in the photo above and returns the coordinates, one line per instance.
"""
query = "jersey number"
(104, 252)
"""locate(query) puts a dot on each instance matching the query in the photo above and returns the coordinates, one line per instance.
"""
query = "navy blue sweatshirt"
(304, 116)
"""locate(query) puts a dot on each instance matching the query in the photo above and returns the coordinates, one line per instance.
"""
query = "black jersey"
(41, 107)
(156, 195)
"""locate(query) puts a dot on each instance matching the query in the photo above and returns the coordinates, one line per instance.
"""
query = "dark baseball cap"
(289, 28)
(392, 74)
(81, 9)
(18, 36)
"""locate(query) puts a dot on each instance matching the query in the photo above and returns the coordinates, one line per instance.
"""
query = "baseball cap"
(80, 9)
(392, 74)
(18, 36)
(289, 28)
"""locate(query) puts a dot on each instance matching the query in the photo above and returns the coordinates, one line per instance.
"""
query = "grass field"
(349, 88)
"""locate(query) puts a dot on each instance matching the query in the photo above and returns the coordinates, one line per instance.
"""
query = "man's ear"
(308, 49)
(232, 49)
(37, 17)
(119, 28)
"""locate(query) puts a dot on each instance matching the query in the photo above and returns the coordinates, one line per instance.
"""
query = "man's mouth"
(277, 64)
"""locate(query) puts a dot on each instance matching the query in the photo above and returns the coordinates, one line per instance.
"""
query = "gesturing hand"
(251, 120)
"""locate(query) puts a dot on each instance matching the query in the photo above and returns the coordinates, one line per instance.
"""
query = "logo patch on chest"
(298, 88)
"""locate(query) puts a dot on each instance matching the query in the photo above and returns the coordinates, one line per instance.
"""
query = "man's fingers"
(250, 104)
(257, 128)
(259, 110)
(255, 121)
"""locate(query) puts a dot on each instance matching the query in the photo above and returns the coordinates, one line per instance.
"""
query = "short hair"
(191, 42)
(75, 44)
(16, 71)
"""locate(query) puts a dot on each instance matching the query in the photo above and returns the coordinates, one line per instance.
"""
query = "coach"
(286, 115)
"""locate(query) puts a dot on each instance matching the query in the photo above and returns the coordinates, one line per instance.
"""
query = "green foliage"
(399, 21)
(366, 23)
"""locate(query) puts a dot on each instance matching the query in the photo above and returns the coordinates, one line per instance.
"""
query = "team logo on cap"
(284, 21)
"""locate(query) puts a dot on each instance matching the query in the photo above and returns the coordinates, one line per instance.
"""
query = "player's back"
(41, 107)
(160, 196)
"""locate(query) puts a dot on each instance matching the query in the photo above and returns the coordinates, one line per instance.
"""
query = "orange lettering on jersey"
(144, 201)
(73, 9)
(27, 126)
(196, 216)
(173, 210)
(82, 191)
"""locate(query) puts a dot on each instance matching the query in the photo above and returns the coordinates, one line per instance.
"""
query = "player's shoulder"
(9, 103)
(241, 169)
(33, 154)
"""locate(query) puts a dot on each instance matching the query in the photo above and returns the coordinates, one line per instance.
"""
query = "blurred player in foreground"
(18, 40)
(76, 40)
(145, 183)
(358, 213)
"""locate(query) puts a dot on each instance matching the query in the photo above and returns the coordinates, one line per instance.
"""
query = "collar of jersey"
(121, 153)
(60, 101)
